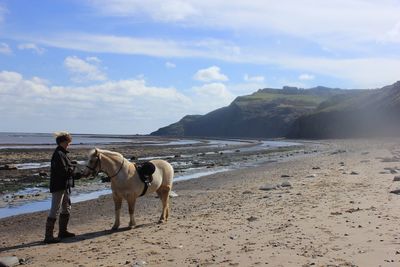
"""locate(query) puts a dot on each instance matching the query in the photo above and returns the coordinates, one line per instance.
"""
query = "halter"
(98, 164)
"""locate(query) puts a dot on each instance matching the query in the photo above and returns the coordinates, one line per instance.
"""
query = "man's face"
(65, 144)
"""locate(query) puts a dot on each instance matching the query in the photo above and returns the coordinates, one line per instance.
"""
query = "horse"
(127, 184)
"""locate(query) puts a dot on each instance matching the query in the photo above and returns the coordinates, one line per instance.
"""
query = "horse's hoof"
(161, 221)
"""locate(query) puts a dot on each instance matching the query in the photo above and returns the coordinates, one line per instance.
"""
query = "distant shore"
(317, 209)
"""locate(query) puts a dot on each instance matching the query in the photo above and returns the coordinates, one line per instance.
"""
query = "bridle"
(97, 167)
(94, 168)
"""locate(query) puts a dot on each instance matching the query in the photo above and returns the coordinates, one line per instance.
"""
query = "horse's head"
(93, 165)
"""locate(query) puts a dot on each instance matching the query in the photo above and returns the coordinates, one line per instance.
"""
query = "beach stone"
(396, 179)
(285, 176)
(311, 176)
(173, 194)
(316, 168)
(8, 167)
(286, 184)
(9, 261)
(252, 219)
(268, 187)
(139, 263)
(354, 173)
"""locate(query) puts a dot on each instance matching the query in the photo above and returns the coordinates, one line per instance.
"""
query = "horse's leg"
(117, 203)
(163, 193)
(131, 207)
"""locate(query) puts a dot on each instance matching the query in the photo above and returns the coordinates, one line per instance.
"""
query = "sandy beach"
(331, 208)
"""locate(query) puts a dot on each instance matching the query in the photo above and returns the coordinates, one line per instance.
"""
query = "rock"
(354, 173)
(9, 261)
(173, 194)
(285, 176)
(316, 168)
(396, 191)
(237, 150)
(311, 176)
(177, 156)
(139, 263)
(268, 187)
(396, 179)
(247, 192)
(8, 167)
(286, 184)
(393, 171)
(252, 219)
(233, 237)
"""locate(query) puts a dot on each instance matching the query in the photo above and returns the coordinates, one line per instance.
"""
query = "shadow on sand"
(77, 238)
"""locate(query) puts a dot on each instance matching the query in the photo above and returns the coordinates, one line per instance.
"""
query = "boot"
(63, 223)
(48, 238)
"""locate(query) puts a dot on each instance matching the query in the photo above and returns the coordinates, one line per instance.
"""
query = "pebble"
(252, 219)
(354, 173)
(173, 194)
(9, 261)
(311, 176)
(286, 184)
(268, 187)
(139, 263)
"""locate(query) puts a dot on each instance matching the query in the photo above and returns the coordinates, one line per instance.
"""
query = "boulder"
(9, 261)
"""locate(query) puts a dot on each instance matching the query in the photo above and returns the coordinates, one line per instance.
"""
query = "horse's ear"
(96, 151)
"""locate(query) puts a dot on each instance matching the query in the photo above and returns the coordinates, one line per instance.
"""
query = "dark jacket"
(61, 176)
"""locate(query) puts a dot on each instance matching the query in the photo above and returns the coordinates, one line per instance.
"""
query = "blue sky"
(115, 66)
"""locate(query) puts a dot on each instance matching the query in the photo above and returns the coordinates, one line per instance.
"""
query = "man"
(61, 180)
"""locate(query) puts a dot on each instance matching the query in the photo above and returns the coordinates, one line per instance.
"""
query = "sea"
(40, 140)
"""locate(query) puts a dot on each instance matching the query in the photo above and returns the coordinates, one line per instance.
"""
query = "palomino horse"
(126, 183)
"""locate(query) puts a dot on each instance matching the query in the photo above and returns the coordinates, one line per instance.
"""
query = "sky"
(132, 66)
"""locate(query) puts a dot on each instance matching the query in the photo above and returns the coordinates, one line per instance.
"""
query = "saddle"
(145, 171)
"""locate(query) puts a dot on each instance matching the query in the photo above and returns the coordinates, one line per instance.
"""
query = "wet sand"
(337, 211)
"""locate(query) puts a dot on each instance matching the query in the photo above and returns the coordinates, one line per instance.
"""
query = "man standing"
(61, 180)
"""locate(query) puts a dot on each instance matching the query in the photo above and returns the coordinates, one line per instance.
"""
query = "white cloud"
(320, 21)
(93, 59)
(207, 48)
(31, 46)
(84, 71)
(210, 74)
(211, 96)
(166, 11)
(5, 49)
(255, 79)
(131, 106)
(170, 65)
(306, 77)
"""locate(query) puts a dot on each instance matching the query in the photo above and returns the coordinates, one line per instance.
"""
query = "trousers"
(60, 199)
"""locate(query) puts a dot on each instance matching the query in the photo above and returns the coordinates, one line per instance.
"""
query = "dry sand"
(328, 217)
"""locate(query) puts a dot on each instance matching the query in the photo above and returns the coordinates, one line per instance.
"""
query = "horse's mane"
(106, 152)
